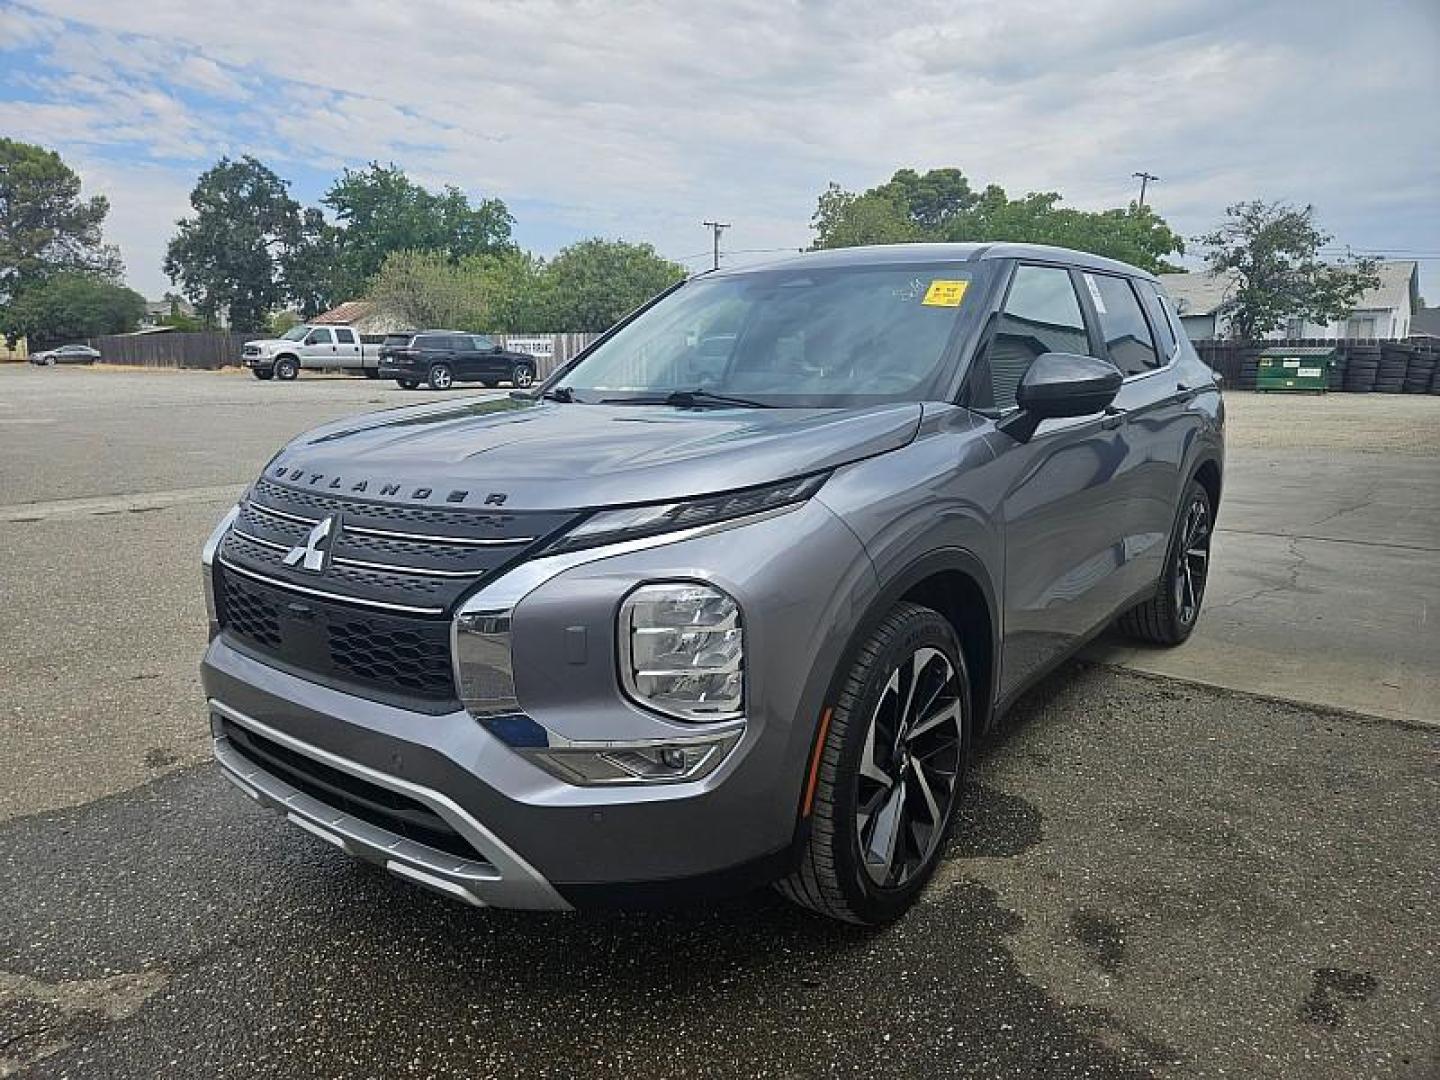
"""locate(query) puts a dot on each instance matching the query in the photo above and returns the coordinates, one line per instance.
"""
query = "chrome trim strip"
(425, 538)
(271, 544)
(363, 565)
(512, 882)
(390, 534)
(322, 594)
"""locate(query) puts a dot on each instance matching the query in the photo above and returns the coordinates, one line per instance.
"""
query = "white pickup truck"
(318, 348)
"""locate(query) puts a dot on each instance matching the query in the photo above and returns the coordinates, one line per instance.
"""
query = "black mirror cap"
(1067, 384)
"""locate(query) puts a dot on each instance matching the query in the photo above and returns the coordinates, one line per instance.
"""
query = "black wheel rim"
(908, 768)
(1192, 561)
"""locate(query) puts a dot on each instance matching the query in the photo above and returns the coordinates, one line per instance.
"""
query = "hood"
(270, 342)
(539, 455)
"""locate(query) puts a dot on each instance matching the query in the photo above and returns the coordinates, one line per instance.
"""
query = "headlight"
(683, 651)
(629, 523)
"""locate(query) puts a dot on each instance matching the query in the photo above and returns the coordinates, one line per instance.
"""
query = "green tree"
(515, 291)
(46, 228)
(425, 290)
(941, 205)
(382, 211)
(229, 253)
(1271, 251)
(76, 305)
(596, 282)
(311, 265)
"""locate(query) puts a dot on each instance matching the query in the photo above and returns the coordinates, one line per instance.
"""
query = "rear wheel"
(286, 369)
(371, 373)
(888, 774)
(441, 377)
(1169, 616)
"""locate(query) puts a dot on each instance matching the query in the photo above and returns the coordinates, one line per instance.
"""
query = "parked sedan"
(441, 358)
(66, 354)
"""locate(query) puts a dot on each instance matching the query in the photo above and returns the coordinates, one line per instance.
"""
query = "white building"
(1385, 311)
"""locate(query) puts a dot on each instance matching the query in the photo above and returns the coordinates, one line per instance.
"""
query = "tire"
(522, 376)
(287, 369)
(371, 373)
(441, 377)
(1169, 616)
(263, 376)
(406, 384)
(904, 786)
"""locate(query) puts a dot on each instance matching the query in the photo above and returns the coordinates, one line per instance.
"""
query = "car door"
(1062, 503)
(1156, 425)
(318, 349)
(484, 363)
(347, 347)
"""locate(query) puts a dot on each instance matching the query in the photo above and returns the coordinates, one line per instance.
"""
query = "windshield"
(803, 337)
(295, 333)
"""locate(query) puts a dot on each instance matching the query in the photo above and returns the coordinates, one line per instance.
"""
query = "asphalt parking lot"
(1163, 869)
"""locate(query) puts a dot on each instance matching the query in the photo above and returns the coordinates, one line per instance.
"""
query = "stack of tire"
(1394, 361)
(1338, 365)
(1420, 372)
(1362, 366)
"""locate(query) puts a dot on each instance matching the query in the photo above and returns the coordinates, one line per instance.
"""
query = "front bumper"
(800, 578)
(259, 363)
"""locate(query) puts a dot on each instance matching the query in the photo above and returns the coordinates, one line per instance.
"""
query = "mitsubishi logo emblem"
(313, 556)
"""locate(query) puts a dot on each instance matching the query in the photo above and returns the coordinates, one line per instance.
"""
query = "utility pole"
(1144, 178)
(716, 227)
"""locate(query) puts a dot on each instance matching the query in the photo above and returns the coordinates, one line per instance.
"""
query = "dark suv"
(728, 600)
(441, 358)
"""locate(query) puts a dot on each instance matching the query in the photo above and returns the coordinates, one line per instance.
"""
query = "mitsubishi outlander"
(728, 599)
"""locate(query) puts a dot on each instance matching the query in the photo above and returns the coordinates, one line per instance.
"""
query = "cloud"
(643, 119)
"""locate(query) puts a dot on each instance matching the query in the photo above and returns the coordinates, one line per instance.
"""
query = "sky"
(641, 120)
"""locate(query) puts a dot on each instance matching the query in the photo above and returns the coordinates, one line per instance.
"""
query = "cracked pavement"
(1151, 877)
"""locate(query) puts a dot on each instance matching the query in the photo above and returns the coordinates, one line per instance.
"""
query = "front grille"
(251, 350)
(379, 806)
(376, 654)
(376, 620)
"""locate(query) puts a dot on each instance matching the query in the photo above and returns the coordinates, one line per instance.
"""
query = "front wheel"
(890, 762)
(263, 376)
(286, 369)
(1169, 616)
(522, 376)
(441, 377)
(406, 384)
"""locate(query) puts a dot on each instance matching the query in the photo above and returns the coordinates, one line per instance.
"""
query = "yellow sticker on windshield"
(945, 293)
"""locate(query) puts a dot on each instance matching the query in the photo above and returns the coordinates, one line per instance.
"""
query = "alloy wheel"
(440, 377)
(522, 377)
(1192, 563)
(909, 766)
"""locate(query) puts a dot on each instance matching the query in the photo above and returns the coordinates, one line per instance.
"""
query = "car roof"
(905, 254)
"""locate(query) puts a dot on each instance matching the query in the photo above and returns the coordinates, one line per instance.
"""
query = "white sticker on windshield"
(1094, 293)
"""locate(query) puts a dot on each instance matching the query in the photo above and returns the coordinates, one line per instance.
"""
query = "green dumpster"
(1304, 368)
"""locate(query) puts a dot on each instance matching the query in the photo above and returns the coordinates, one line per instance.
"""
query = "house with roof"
(362, 315)
(1386, 311)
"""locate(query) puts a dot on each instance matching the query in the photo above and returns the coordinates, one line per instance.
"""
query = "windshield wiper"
(698, 398)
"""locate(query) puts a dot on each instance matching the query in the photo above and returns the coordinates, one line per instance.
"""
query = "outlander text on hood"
(727, 600)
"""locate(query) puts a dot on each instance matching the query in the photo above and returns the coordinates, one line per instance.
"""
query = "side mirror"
(1059, 385)
(497, 348)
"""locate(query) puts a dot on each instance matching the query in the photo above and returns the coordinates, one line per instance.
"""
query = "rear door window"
(345, 336)
(1122, 323)
(482, 343)
(1041, 314)
(1160, 319)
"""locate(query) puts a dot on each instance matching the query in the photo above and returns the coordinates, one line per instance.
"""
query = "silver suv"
(727, 600)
